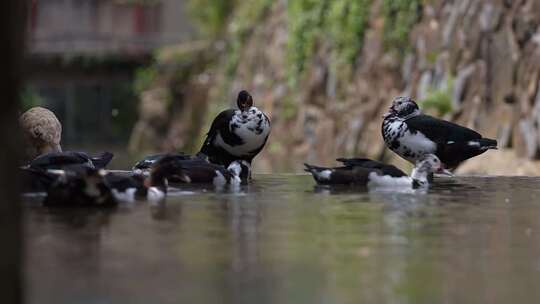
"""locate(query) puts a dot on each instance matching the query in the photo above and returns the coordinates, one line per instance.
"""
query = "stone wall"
(474, 62)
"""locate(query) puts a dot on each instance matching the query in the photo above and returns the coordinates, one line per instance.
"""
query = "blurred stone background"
(325, 71)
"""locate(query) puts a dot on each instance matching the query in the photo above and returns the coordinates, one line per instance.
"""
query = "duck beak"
(443, 171)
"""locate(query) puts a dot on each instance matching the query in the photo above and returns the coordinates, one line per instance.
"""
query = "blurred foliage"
(30, 98)
(347, 21)
(211, 15)
(340, 23)
(144, 79)
(439, 99)
(138, 2)
(399, 18)
(305, 19)
(246, 16)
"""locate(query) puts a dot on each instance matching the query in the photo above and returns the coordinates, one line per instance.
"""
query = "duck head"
(403, 107)
(244, 101)
(429, 164)
(240, 170)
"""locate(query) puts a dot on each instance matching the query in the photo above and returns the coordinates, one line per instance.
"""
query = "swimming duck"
(196, 170)
(85, 186)
(147, 162)
(411, 135)
(34, 180)
(237, 134)
(42, 131)
(62, 160)
(366, 172)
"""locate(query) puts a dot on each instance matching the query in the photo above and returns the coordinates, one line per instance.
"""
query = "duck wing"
(58, 160)
(441, 131)
(148, 161)
(366, 163)
(220, 125)
(340, 175)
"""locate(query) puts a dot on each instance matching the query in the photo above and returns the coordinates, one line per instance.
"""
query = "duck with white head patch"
(200, 171)
(83, 186)
(411, 135)
(374, 174)
(237, 134)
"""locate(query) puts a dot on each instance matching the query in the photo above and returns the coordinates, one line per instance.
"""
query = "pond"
(283, 240)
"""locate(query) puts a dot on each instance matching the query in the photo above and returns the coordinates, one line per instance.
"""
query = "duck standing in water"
(237, 134)
(411, 135)
(370, 173)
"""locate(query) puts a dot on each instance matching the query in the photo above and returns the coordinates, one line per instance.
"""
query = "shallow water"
(282, 240)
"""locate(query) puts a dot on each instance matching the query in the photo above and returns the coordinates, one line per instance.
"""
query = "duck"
(187, 169)
(42, 135)
(63, 160)
(35, 180)
(411, 134)
(90, 187)
(371, 173)
(147, 162)
(42, 131)
(237, 134)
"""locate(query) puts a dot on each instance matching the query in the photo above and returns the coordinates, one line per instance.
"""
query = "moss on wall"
(339, 23)
(399, 18)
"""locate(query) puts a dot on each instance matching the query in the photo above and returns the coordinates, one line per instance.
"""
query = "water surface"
(282, 240)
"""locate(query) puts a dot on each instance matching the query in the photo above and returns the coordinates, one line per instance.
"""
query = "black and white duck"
(237, 134)
(62, 160)
(84, 186)
(196, 170)
(148, 161)
(411, 135)
(370, 173)
(41, 172)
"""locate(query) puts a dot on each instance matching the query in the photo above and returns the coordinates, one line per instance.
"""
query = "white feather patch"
(155, 194)
(127, 196)
(324, 174)
(418, 143)
(219, 180)
(383, 181)
(246, 131)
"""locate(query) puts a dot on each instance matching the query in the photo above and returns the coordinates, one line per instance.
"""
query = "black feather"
(372, 164)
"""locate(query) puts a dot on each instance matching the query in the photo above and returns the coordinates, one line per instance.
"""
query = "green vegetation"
(440, 99)
(245, 18)
(348, 21)
(339, 23)
(30, 98)
(144, 79)
(138, 2)
(305, 19)
(211, 15)
(399, 18)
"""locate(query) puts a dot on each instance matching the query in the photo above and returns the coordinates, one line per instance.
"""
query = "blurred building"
(82, 55)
